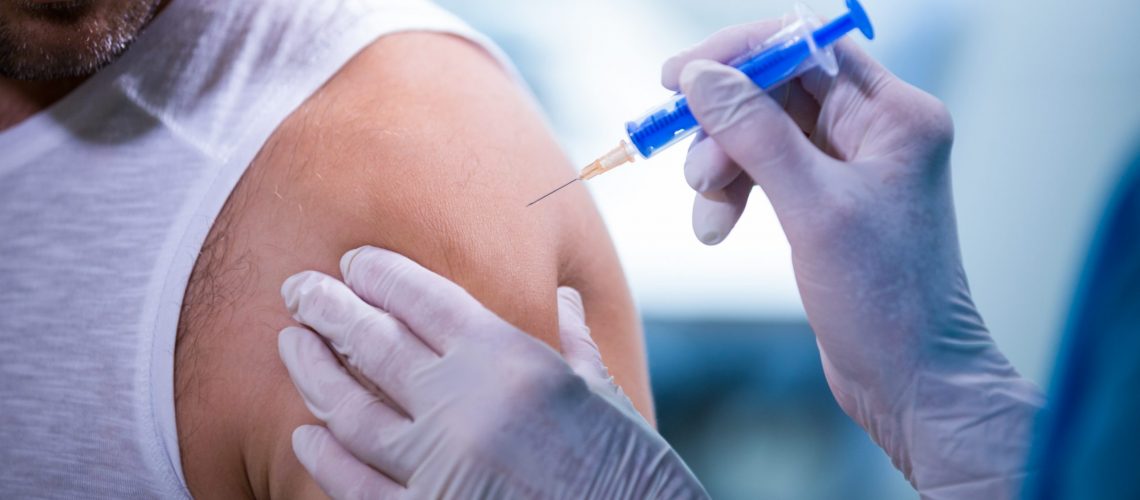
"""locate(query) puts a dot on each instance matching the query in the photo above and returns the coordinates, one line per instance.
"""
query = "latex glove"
(474, 408)
(857, 168)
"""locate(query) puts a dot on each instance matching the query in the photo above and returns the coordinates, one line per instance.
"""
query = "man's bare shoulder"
(421, 144)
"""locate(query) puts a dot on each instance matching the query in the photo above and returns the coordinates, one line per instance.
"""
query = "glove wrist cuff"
(963, 425)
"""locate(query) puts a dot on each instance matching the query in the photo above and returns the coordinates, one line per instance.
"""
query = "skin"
(433, 156)
(421, 144)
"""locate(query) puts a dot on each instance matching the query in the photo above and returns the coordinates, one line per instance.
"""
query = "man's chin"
(57, 39)
(51, 63)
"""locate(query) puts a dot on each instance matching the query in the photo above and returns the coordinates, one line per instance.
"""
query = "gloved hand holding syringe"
(803, 45)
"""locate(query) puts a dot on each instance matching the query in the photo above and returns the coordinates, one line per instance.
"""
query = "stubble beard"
(86, 39)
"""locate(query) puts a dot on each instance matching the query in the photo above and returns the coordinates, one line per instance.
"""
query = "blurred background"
(1041, 93)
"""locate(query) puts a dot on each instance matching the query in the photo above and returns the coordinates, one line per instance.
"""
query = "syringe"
(803, 45)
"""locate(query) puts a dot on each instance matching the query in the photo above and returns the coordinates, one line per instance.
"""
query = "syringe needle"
(620, 155)
(557, 189)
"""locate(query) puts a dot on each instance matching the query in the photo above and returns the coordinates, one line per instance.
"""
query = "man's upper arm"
(423, 145)
(435, 153)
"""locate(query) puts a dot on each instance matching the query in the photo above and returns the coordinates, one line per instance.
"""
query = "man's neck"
(21, 99)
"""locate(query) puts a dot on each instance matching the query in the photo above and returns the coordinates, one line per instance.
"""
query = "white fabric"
(105, 201)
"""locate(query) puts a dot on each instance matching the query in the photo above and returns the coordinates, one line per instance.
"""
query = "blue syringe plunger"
(855, 17)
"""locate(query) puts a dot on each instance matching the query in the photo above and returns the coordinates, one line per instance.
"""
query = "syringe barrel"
(663, 126)
(673, 121)
(788, 54)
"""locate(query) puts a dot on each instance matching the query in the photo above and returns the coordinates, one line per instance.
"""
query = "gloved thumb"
(751, 128)
(579, 350)
(582, 354)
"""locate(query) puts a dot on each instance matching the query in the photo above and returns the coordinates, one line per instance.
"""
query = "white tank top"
(105, 201)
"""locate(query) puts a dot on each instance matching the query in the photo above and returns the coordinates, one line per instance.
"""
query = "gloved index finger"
(435, 309)
(374, 342)
(723, 47)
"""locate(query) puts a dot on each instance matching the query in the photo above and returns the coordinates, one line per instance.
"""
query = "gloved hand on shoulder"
(467, 405)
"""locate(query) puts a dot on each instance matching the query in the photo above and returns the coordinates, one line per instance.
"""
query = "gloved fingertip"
(711, 237)
(570, 301)
(671, 71)
(716, 213)
(706, 220)
(294, 286)
(694, 169)
(289, 291)
(289, 343)
(348, 257)
(695, 180)
(306, 445)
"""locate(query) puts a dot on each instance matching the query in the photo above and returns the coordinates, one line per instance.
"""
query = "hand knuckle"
(374, 359)
(935, 120)
(344, 418)
(926, 117)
